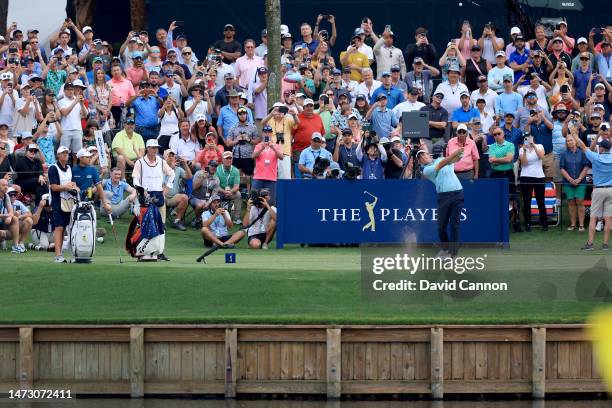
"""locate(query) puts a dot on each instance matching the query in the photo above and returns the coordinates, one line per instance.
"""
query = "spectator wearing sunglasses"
(229, 47)
(30, 175)
(246, 66)
(582, 76)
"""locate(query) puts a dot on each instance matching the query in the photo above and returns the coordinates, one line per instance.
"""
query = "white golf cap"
(200, 117)
(83, 153)
(62, 149)
(78, 83)
(32, 146)
(45, 197)
(308, 101)
(278, 105)
(500, 54)
(462, 126)
(86, 29)
(396, 139)
(582, 40)
(92, 148)
(316, 135)
(152, 143)
(10, 190)
(284, 29)
(515, 30)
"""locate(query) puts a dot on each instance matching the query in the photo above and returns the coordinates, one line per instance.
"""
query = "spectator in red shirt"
(210, 151)
(309, 123)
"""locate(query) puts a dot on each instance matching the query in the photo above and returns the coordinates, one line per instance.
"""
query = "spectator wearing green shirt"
(54, 74)
(501, 158)
(229, 183)
(325, 112)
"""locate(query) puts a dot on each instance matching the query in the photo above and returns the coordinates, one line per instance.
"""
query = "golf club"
(110, 218)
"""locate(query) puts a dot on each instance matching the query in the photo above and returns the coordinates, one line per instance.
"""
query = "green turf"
(293, 285)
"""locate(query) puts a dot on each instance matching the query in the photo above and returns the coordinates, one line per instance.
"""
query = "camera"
(351, 172)
(333, 174)
(280, 137)
(242, 141)
(325, 99)
(533, 112)
(324, 34)
(320, 165)
(199, 74)
(283, 109)
(255, 198)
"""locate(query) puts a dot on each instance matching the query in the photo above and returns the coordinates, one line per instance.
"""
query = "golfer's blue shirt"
(602, 168)
(444, 179)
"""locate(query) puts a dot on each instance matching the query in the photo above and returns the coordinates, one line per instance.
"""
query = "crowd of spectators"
(514, 104)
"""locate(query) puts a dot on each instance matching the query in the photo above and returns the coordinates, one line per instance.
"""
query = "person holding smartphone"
(267, 155)
(532, 180)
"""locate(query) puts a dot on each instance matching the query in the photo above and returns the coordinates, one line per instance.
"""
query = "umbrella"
(563, 5)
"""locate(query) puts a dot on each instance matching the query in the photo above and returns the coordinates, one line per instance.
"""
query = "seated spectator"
(465, 113)
(266, 155)
(309, 155)
(127, 147)
(24, 217)
(42, 231)
(9, 221)
(229, 183)
(241, 139)
(174, 197)
(114, 193)
(211, 150)
(185, 145)
(216, 223)
(205, 185)
(374, 161)
(263, 217)
(30, 175)
(574, 168)
(533, 181)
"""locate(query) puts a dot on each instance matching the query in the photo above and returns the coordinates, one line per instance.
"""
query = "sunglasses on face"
(584, 58)
(242, 113)
(498, 134)
(33, 150)
(462, 131)
(187, 53)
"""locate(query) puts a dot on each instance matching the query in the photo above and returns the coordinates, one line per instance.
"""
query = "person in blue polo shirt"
(382, 119)
(519, 59)
(310, 154)
(441, 172)
(87, 179)
(146, 106)
(601, 200)
(465, 113)
(508, 101)
(394, 95)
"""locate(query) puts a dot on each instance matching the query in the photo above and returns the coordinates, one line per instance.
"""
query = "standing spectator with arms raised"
(72, 107)
(421, 48)
(230, 48)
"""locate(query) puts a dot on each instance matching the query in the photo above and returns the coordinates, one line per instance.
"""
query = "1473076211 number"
(40, 394)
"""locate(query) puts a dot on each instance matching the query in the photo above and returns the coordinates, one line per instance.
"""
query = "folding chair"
(550, 202)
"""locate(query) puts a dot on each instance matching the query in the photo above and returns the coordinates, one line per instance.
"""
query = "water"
(186, 403)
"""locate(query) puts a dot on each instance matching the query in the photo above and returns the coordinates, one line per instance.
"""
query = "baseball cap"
(286, 35)
(300, 95)
(181, 37)
(396, 139)
(475, 119)
(557, 39)
(509, 114)
(417, 60)
(361, 96)
(201, 117)
(515, 30)
(605, 144)
(233, 93)
(26, 135)
(385, 73)
(483, 100)
(228, 75)
(599, 85)
(605, 126)
(242, 109)
(347, 132)
(420, 31)
(464, 93)
(32, 146)
(381, 96)
(454, 67)
(582, 40)
(62, 149)
(462, 126)
(598, 106)
(508, 78)
(215, 197)
(316, 136)
(346, 70)
(482, 78)
(229, 26)
(97, 59)
(262, 70)
(420, 152)
(519, 37)
(264, 33)
(130, 119)
(560, 108)
(336, 71)
(86, 29)
(476, 48)
(83, 153)
(267, 128)
(500, 54)
(78, 83)
(395, 68)
(384, 140)
(227, 155)
(530, 93)
(308, 101)
(92, 148)
(152, 143)
(278, 105)
(439, 95)
(414, 91)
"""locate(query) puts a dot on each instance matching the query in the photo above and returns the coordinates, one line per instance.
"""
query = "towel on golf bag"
(145, 235)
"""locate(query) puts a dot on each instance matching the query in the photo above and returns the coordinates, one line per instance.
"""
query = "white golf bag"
(83, 231)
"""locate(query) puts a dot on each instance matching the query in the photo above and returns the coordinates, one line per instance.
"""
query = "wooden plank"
(334, 368)
(187, 361)
(397, 370)
(482, 362)
(448, 357)
(209, 363)
(491, 335)
(563, 357)
(574, 359)
(80, 359)
(174, 361)
(458, 371)
(85, 386)
(250, 360)
(551, 360)
(285, 367)
(469, 361)
(359, 361)
(437, 363)
(104, 367)
(310, 361)
(279, 334)
(92, 355)
(567, 334)
(220, 365)
(26, 358)
(408, 361)
(125, 362)
(504, 350)
(586, 355)
(297, 361)
(422, 361)
(575, 386)
(8, 361)
(263, 361)
(516, 361)
(56, 361)
(184, 387)
(231, 357)
(492, 361)
(371, 366)
(199, 363)
(384, 335)
(527, 361)
(539, 362)
(595, 374)
(384, 361)
(137, 369)
(347, 362)
(68, 369)
(282, 387)
(487, 386)
(9, 335)
(82, 335)
(275, 361)
(151, 362)
(184, 335)
(321, 361)
(386, 387)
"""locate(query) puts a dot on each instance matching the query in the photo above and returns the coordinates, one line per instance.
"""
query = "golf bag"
(146, 234)
(82, 233)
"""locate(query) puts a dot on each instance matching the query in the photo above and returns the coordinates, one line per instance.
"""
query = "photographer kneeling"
(216, 222)
(263, 218)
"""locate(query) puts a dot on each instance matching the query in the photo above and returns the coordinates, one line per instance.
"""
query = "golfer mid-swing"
(441, 172)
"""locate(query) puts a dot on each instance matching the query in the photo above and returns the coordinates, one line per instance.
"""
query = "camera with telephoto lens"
(242, 141)
(333, 174)
(255, 198)
(320, 165)
(351, 172)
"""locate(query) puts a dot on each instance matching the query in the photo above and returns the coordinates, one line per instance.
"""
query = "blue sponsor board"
(384, 211)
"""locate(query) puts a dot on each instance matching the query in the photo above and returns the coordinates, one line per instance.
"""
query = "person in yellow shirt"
(128, 146)
(354, 59)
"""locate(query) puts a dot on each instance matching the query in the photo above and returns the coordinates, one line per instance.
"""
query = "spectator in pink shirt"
(568, 42)
(246, 66)
(266, 155)
(467, 166)
(121, 91)
(137, 72)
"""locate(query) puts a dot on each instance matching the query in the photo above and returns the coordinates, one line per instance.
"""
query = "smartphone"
(283, 109)
(266, 139)
(180, 23)
(387, 27)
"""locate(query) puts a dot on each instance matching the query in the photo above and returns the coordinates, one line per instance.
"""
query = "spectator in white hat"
(583, 47)
(8, 97)
(560, 31)
(9, 221)
(510, 48)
